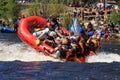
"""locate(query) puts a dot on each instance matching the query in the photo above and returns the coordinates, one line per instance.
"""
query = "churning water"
(12, 48)
(18, 61)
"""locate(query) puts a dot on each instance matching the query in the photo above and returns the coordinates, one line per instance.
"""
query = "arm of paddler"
(81, 46)
(88, 41)
(41, 35)
(58, 33)
(98, 45)
(46, 30)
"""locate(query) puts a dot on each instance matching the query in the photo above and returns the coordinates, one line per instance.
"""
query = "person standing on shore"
(75, 12)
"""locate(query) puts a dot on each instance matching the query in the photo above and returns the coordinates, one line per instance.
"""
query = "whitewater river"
(18, 61)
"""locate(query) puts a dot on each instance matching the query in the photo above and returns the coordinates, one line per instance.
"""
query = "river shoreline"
(115, 37)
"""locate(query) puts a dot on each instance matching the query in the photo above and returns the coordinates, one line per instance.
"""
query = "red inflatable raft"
(25, 33)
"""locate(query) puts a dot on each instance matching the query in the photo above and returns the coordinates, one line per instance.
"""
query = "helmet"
(73, 40)
(52, 33)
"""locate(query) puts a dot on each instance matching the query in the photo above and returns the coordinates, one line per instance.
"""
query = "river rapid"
(18, 61)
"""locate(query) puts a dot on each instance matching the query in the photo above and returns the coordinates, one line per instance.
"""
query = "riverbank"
(115, 36)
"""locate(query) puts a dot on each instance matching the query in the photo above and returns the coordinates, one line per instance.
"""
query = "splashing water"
(11, 48)
(20, 51)
(104, 57)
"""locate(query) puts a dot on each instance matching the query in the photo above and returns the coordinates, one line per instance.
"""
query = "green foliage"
(118, 2)
(66, 21)
(53, 1)
(113, 17)
(54, 8)
(87, 2)
(3, 9)
(46, 10)
(33, 8)
(9, 9)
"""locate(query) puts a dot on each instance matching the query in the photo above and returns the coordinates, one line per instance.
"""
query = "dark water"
(59, 71)
(50, 70)
(110, 46)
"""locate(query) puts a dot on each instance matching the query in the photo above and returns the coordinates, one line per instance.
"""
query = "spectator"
(78, 12)
(75, 12)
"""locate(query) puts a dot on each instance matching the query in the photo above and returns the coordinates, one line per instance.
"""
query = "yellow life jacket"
(95, 42)
(38, 29)
(65, 41)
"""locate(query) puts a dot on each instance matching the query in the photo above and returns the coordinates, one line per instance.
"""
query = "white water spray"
(22, 52)
(104, 57)
(10, 51)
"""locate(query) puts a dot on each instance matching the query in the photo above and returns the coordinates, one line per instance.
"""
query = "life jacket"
(65, 41)
(37, 29)
(88, 29)
(106, 32)
(91, 42)
(95, 42)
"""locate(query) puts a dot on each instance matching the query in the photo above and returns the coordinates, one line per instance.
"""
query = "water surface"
(18, 61)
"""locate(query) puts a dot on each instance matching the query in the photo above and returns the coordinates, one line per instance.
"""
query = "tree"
(37, 7)
(44, 9)
(88, 2)
(3, 9)
(118, 2)
(9, 9)
(113, 17)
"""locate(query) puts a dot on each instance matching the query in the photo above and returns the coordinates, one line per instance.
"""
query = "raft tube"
(26, 35)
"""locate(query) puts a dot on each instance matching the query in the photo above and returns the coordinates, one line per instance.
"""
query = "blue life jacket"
(91, 33)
